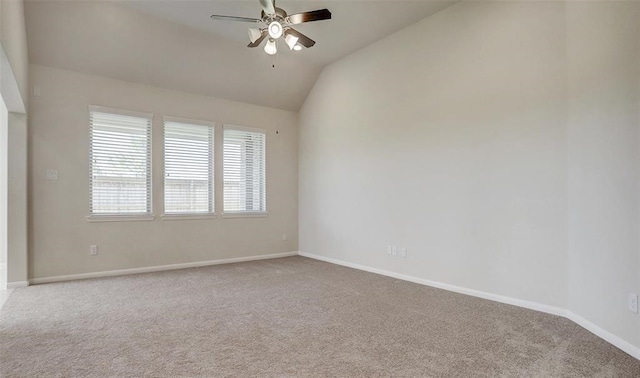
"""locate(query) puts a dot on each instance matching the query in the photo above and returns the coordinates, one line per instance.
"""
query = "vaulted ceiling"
(175, 45)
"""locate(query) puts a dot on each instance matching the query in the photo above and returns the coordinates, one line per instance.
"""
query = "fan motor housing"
(280, 16)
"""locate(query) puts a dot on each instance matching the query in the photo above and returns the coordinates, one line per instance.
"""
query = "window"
(119, 163)
(244, 170)
(188, 167)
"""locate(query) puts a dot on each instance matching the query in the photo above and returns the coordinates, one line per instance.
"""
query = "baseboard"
(596, 330)
(17, 284)
(158, 268)
(605, 335)
(458, 289)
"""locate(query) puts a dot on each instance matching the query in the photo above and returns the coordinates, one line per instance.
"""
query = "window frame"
(212, 183)
(110, 217)
(245, 214)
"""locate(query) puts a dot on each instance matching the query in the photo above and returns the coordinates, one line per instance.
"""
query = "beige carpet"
(287, 317)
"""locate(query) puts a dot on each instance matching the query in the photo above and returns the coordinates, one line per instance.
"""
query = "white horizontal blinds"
(188, 168)
(120, 164)
(244, 171)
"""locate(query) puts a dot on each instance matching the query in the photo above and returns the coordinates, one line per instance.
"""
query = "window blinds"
(244, 170)
(120, 163)
(188, 168)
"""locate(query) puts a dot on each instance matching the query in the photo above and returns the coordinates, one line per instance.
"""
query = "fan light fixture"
(254, 34)
(291, 40)
(275, 30)
(270, 48)
(275, 23)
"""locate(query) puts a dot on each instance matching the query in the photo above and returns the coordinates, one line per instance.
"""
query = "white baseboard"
(158, 268)
(17, 284)
(596, 330)
(462, 290)
(604, 334)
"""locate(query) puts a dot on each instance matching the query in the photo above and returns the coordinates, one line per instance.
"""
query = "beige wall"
(4, 174)
(58, 136)
(498, 142)
(17, 190)
(14, 85)
(13, 35)
(454, 148)
(603, 130)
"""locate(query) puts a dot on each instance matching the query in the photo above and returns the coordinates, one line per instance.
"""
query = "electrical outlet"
(389, 250)
(633, 302)
(403, 252)
(394, 250)
(52, 175)
(93, 250)
(285, 237)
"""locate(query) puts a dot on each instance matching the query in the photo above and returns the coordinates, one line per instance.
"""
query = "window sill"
(171, 217)
(245, 215)
(120, 218)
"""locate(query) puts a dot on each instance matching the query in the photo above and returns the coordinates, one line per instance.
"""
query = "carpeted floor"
(286, 317)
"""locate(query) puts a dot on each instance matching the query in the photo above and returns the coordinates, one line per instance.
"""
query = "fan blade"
(233, 18)
(259, 40)
(316, 15)
(268, 7)
(302, 39)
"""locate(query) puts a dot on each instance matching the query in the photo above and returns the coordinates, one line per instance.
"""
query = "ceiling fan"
(274, 23)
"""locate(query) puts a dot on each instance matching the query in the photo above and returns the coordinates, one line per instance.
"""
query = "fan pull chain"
(274, 58)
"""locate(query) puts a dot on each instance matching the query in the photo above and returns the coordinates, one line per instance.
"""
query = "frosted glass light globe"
(275, 30)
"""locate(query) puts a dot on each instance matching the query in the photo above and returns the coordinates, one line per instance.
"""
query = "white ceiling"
(175, 45)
